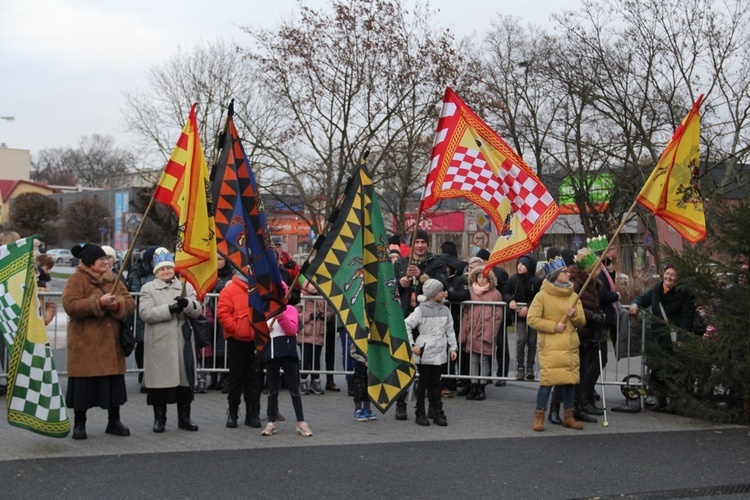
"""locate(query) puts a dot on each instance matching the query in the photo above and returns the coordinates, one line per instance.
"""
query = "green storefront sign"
(600, 189)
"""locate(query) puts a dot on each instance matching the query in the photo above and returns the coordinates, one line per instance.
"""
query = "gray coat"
(163, 359)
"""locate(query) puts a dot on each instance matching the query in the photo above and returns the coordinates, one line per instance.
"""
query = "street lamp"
(8, 118)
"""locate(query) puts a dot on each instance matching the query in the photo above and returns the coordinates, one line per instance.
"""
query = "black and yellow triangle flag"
(352, 270)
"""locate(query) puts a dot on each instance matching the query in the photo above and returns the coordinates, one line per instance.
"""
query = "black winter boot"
(232, 415)
(401, 410)
(580, 416)
(160, 418)
(330, 384)
(252, 415)
(79, 426)
(431, 411)
(422, 419)
(480, 392)
(183, 417)
(114, 425)
(463, 390)
(472, 392)
(554, 415)
(439, 418)
(589, 407)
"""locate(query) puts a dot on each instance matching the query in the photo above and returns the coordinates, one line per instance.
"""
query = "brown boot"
(570, 421)
(539, 420)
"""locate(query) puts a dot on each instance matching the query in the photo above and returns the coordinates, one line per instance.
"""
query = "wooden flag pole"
(600, 258)
(609, 245)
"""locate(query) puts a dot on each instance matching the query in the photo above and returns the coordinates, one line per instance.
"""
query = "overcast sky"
(65, 64)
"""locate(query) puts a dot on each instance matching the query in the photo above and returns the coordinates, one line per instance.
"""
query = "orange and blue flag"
(243, 233)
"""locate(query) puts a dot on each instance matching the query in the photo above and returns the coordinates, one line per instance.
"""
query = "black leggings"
(273, 376)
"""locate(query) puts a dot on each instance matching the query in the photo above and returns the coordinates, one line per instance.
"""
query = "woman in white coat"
(165, 371)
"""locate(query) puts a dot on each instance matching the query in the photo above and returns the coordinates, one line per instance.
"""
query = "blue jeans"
(568, 392)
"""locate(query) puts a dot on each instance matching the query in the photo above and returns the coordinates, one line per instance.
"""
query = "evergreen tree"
(708, 374)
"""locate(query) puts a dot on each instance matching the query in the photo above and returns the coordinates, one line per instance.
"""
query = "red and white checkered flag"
(471, 161)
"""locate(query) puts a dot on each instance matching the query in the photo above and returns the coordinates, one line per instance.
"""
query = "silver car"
(61, 256)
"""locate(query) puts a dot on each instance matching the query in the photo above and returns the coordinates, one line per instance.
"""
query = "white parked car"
(61, 256)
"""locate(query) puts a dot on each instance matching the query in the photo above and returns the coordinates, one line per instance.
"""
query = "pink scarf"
(480, 289)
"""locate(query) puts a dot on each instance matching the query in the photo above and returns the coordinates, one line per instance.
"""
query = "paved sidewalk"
(507, 413)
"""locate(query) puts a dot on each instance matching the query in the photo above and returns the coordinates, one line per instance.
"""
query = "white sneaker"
(303, 429)
(269, 430)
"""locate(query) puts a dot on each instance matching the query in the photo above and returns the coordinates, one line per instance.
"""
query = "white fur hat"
(109, 251)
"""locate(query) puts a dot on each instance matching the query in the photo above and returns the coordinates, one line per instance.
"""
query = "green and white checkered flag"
(35, 401)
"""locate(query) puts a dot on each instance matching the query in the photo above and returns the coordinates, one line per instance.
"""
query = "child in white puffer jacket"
(436, 337)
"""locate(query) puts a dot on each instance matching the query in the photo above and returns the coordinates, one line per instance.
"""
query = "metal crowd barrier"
(628, 373)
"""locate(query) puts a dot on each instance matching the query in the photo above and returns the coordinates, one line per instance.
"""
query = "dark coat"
(589, 301)
(678, 305)
(522, 288)
(224, 277)
(141, 275)
(431, 265)
(458, 291)
(608, 300)
(502, 278)
(94, 333)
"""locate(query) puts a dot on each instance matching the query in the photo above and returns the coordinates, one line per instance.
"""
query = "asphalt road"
(487, 451)
(645, 465)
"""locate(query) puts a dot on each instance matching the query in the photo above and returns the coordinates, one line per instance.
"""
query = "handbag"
(672, 331)
(203, 329)
(127, 337)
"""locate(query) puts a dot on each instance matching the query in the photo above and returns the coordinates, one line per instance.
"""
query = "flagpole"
(414, 284)
(230, 114)
(600, 258)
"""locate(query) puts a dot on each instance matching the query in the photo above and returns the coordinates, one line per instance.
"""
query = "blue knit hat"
(162, 258)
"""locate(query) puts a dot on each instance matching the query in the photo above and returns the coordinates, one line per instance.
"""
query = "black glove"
(596, 320)
(180, 303)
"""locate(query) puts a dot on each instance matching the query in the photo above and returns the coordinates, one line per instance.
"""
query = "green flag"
(352, 270)
(34, 400)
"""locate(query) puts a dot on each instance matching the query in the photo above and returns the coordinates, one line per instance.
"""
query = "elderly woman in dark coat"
(167, 373)
(670, 306)
(95, 303)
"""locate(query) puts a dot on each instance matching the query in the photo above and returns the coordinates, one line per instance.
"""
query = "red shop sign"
(440, 222)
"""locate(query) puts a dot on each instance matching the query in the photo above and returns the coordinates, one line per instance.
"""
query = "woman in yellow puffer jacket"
(555, 313)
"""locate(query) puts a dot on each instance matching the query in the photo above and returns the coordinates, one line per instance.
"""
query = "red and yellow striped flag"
(184, 186)
(672, 191)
